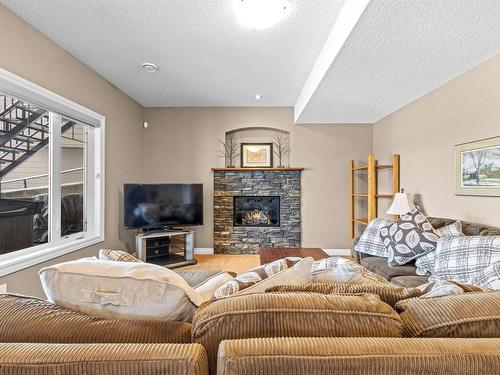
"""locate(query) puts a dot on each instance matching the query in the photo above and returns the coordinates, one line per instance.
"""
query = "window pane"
(73, 172)
(24, 174)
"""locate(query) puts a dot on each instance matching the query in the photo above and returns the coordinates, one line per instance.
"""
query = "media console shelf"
(170, 249)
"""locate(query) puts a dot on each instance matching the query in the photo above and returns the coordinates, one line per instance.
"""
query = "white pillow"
(343, 271)
(120, 290)
(208, 287)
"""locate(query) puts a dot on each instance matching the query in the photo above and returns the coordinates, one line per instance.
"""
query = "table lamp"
(401, 204)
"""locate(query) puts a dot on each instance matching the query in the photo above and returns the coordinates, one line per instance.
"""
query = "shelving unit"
(371, 168)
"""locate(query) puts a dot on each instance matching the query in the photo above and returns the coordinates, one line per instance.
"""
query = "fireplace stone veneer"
(231, 185)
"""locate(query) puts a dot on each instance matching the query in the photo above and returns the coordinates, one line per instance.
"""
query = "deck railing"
(68, 177)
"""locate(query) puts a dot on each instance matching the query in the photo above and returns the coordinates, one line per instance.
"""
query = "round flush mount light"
(258, 97)
(149, 67)
(145, 125)
(260, 14)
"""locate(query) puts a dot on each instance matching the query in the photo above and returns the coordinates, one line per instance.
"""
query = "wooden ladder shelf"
(372, 168)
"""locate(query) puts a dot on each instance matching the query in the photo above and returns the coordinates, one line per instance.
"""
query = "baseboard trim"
(338, 252)
(331, 252)
(204, 250)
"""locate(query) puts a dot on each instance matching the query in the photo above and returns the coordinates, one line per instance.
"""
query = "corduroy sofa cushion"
(390, 294)
(102, 359)
(463, 315)
(29, 319)
(359, 356)
(292, 315)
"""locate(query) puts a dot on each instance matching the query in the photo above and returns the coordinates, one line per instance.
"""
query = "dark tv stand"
(169, 248)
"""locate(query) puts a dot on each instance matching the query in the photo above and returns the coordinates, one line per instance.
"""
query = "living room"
(301, 103)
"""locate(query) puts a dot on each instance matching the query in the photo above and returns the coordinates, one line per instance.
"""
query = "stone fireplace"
(255, 209)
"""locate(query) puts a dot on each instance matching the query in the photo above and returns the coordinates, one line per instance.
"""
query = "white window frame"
(95, 216)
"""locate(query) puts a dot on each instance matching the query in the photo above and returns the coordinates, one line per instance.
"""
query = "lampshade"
(401, 204)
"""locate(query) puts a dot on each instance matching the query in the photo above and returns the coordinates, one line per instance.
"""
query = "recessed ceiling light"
(149, 67)
(258, 97)
(260, 14)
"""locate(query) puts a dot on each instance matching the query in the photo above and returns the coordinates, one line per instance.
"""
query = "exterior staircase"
(24, 130)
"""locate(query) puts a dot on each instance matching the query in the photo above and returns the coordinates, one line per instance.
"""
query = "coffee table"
(270, 254)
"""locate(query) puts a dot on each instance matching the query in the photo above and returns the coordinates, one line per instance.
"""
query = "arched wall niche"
(259, 134)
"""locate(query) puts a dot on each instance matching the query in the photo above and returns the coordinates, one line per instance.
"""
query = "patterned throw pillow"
(117, 255)
(344, 271)
(489, 277)
(408, 238)
(425, 263)
(452, 230)
(370, 241)
(443, 288)
(464, 259)
(289, 271)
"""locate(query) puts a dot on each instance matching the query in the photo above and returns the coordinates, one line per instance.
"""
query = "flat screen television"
(162, 205)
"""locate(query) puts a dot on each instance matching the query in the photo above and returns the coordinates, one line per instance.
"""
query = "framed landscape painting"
(256, 155)
(477, 168)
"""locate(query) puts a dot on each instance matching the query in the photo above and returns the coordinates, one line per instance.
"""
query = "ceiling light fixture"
(149, 67)
(260, 14)
(258, 97)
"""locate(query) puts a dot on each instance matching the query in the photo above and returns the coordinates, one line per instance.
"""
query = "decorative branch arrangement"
(281, 147)
(231, 150)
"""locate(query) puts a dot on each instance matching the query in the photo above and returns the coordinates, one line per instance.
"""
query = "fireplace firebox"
(256, 211)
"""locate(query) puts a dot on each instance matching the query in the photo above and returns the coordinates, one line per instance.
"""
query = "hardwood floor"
(223, 262)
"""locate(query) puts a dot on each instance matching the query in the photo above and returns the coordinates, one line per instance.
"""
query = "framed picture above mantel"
(477, 168)
(256, 155)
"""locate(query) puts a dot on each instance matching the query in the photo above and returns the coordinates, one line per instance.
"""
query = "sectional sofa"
(406, 275)
(312, 329)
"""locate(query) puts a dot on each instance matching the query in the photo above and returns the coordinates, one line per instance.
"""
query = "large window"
(51, 175)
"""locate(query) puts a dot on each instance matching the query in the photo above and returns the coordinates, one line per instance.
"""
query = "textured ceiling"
(206, 57)
(398, 51)
(401, 50)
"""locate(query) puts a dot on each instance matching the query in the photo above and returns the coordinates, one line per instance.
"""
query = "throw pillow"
(117, 255)
(446, 288)
(462, 259)
(370, 241)
(489, 277)
(425, 263)
(451, 230)
(465, 315)
(408, 238)
(120, 290)
(389, 293)
(291, 271)
(208, 287)
(343, 271)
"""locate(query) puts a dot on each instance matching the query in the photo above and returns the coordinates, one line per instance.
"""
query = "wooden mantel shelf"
(257, 169)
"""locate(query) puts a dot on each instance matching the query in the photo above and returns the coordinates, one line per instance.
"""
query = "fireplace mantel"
(257, 169)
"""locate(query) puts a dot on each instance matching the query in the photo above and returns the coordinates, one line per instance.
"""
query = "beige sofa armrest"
(29, 319)
(97, 359)
(292, 315)
(346, 356)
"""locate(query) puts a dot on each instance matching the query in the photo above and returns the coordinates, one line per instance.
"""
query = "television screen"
(160, 205)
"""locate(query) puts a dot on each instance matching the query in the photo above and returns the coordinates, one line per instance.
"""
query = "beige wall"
(424, 132)
(36, 58)
(181, 145)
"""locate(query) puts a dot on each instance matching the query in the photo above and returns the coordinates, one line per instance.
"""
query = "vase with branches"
(231, 150)
(281, 147)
